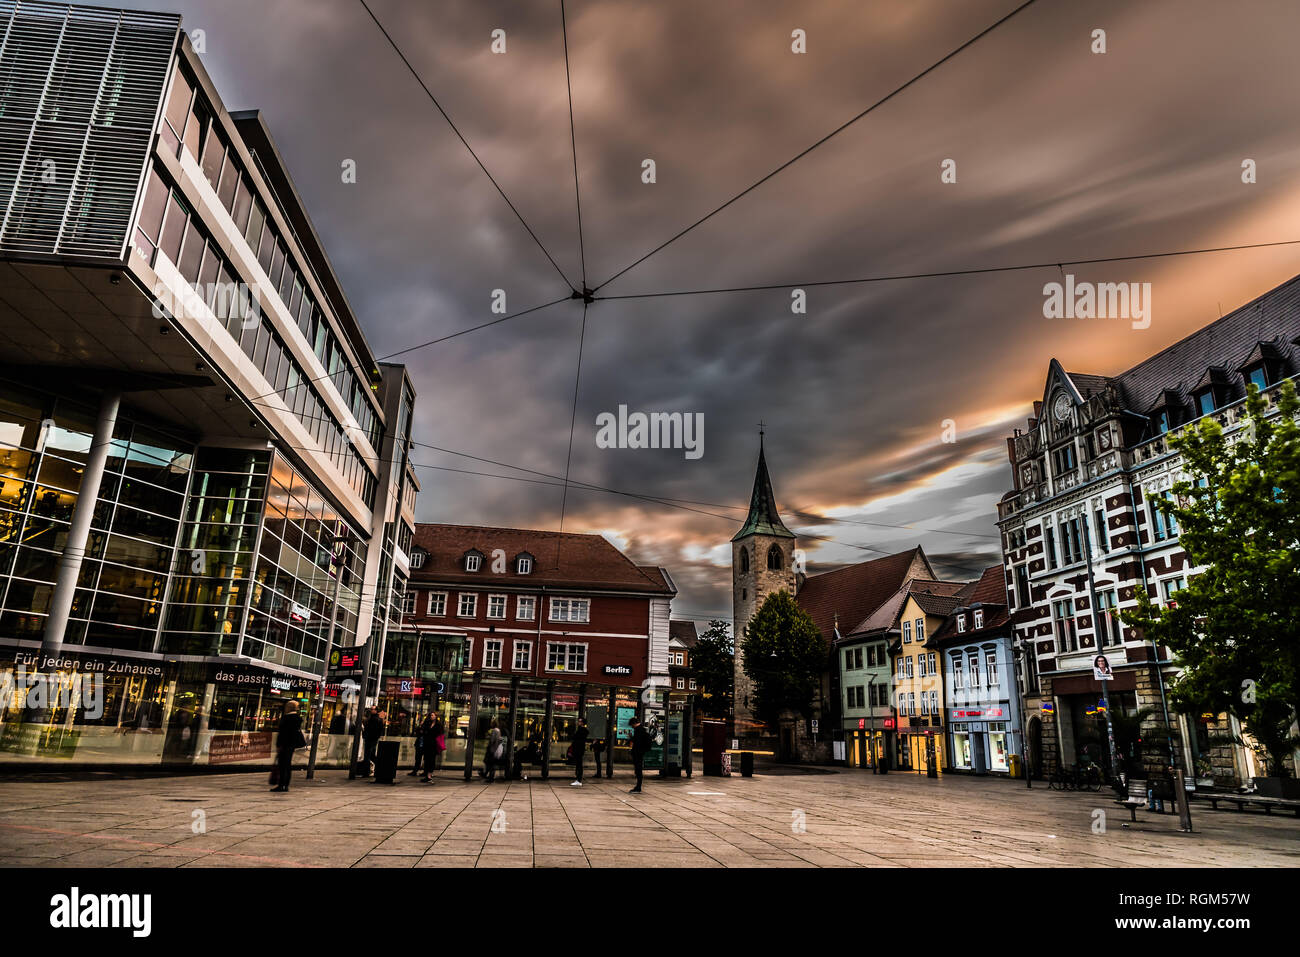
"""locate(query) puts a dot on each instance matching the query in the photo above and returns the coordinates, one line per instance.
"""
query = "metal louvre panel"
(80, 91)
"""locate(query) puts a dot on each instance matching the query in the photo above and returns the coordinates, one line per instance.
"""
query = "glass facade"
(44, 444)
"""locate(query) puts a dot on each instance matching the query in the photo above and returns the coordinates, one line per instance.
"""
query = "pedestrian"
(578, 747)
(494, 753)
(640, 745)
(423, 747)
(433, 759)
(371, 732)
(289, 739)
(598, 749)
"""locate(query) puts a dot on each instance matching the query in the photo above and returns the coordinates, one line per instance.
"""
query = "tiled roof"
(935, 597)
(683, 631)
(561, 559)
(855, 591)
(1273, 317)
(990, 591)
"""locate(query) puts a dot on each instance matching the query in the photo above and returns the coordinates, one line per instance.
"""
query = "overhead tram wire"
(1049, 264)
(798, 156)
(573, 420)
(461, 137)
(573, 141)
(806, 515)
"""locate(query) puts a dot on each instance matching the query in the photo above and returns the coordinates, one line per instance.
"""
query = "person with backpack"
(289, 739)
(577, 748)
(640, 745)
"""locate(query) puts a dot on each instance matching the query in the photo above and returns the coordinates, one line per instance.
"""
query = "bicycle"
(1075, 778)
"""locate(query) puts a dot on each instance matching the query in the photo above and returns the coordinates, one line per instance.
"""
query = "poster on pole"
(1101, 669)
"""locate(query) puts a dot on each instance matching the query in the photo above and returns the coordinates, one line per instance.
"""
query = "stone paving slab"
(850, 819)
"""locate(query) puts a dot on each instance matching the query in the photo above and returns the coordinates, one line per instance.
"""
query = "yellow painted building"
(918, 674)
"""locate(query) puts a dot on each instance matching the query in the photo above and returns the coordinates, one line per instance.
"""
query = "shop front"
(979, 739)
(80, 710)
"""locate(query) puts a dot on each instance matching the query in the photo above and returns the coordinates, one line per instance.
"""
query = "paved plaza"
(848, 819)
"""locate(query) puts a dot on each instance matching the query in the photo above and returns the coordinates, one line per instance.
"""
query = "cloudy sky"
(1061, 154)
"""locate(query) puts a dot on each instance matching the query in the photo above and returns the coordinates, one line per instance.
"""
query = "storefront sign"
(35, 661)
(246, 746)
(616, 670)
(889, 724)
(958, 714)
(404, 687)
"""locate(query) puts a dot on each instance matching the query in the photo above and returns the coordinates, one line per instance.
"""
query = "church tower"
(762, 562)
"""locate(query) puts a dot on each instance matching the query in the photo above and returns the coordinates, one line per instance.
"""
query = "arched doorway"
(1036, 746)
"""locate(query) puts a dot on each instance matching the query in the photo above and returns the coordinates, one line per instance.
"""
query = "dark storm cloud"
(1061, 154)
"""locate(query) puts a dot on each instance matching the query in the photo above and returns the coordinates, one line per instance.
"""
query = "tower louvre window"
(744, 560)
(775, 559)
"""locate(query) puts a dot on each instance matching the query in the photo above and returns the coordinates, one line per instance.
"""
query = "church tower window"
(775, 559)
(744, 560)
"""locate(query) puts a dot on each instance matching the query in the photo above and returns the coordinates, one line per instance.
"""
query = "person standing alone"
(579, 747)
(287, 741)
(640, 745)
(371, 732)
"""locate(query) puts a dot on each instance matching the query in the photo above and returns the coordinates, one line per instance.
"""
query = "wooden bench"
(1242, 801)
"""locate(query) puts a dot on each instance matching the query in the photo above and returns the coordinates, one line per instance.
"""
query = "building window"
(920, 629)
(492, 653)
(958, 672)
(1049, 545)
(692, 683)
(1170, 587)
(526, 608)
(1103, 539)
(848, 660)
(417, 558)
(857, 657)
(566, 657)
(1162, 422)
(1022, 586)
(907, 632)
(437, 603)
(979, 618)
(472, 562)
(571, 609)
(496, 607)
(468, 605)
(408, 603)
(934, 701)
(961, 623)
(908, 662)
(925, 703)
(1164, 526)
(973, 662)
(1205, 402)
(1109, 626)
(1067, 638)
(775, 560)
(991, 668)
(523, 656)
(744, 560)
(933, 660)
(524, 566)
(681, 684)
(1257, 377)
(679, 658)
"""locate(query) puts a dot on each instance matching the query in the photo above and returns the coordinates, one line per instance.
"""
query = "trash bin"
(747, 764)
(386, 762)
(1013, 766)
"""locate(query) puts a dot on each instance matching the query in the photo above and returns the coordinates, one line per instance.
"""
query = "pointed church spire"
(763, 519)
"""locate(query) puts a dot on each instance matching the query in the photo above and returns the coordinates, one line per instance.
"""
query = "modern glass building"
(204, 484)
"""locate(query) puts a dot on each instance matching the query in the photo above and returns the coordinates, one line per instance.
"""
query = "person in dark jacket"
(287, 741)
(597, 752)
(640, 745)
(493, 753)
(423, 746)
(435, 742)
(371, 732)
(579, 747)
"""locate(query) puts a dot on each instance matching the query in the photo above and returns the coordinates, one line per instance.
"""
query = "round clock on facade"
(1061, 406)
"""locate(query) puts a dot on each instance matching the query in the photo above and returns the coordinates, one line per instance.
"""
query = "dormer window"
(1258, 377)
(524, 564)
(961, 623)
(979, 617)
(1205, 403)
(1162, 422)
(417, 558)
(1263, 366)
(473, 561)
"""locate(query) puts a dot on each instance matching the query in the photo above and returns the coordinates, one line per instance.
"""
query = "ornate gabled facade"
(1080, 533)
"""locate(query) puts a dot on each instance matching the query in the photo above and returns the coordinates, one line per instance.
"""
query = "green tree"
(1233, 625)
(713, 663)
(785, 656)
